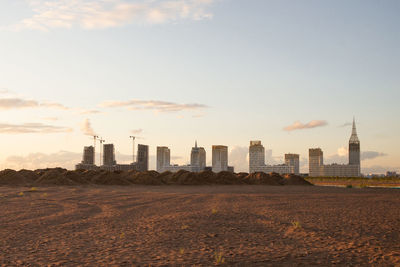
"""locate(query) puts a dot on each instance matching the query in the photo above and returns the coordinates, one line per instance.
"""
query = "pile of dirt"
(59, 176)
(11, 177)
(291, 179)
(228, 178)
(109, 178)
(145, 178)
(264, 178)
(53, 177)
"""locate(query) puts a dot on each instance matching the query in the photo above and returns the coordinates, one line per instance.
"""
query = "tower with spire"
(354, 147)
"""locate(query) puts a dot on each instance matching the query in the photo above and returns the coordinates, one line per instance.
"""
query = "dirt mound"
(184, 178)
(263, 178)
(30, 175)
(291, 179)
(11, 177)
(228, 178)
(53, 177)
(109, 178)
(59, 176)
(145, 178)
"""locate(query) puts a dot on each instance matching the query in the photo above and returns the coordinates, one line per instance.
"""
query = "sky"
(292, 74)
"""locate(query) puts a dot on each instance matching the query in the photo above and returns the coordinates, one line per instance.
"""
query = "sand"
(232, 225)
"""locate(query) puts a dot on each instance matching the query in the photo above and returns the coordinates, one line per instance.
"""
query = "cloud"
(346, 124)
(137, 131)
(100, 14)
(342, 156)
(50, 118)
(40, 160)
(54, 105)
(342, 151)
(238, 157)
(20, 103)
(300, 126)
(31, 128)
(88, 111)
(17, 103)
(158, 106)
(4, 91)
(371, 155)
(86, 128)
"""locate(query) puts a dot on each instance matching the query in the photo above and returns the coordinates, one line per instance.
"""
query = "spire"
(195, 144)
(354, 137)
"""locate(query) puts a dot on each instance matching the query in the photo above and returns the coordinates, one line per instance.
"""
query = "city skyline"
(222, 72)
(220, 160)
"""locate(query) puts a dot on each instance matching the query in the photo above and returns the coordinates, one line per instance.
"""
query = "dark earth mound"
(59, 176)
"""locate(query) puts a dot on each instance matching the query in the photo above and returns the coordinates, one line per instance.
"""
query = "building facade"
(110, 164)
(353, 169)
(219, 158)
(109, 155)
(198, 158)
(315, 162)
(354, 148)
(163, 158)
(256, 156)
(88, 155)
(293, 161)
(341, 170)
(257, 160)
(142, 162)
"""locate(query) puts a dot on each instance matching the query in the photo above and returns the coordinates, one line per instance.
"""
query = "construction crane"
(95, 137)
(101, 140)
(133, 148)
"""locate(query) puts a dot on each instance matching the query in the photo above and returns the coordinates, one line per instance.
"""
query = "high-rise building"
(87, 160)
(317, 167)
(293, 161)
(143, 158)
(354, 148)
(88, 155)
(109, 155)
(316, 162)
(257, 160)
(219, 158)
(198, 158)
(163, 158)
(256, 156)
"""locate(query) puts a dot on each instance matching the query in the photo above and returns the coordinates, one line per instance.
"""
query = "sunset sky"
(289, 73)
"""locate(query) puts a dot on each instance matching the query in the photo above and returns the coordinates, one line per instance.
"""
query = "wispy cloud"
(25, 128)
(346, 124)
(53, 105)
(137, 131)
(33, 161)
(4, 91)
(86, 128)
(99, 14)
(342, 156)
(158, 106)
(50, 118)
(88, 111)
(300, 126)
(371, 155)
(19, 103)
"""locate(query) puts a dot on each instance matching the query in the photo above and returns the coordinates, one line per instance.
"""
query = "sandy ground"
(199, 225)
